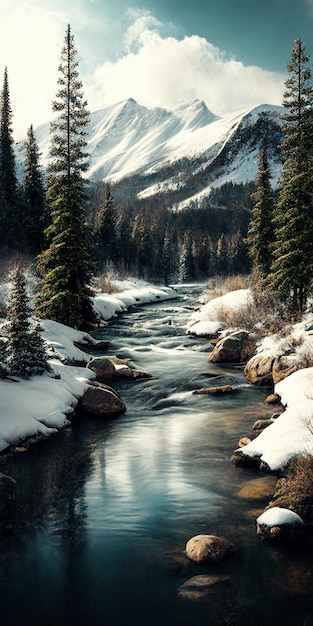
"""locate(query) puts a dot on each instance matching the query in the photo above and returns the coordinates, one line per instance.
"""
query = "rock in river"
(102, 400)
(202, 548)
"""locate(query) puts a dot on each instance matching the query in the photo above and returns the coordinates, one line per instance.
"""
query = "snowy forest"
(71, 229)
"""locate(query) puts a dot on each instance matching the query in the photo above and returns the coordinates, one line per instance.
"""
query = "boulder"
(235, 348)
(283, 366)
(102, 367)
(102, 400)
(215, 391)
(258, 370)
(203, 548)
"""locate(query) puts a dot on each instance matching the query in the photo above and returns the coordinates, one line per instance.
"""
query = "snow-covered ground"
(41, 406)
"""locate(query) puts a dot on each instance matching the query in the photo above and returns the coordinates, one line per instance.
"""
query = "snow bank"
(291, 433)
(233, 300)
(39, 406)
(133, 293)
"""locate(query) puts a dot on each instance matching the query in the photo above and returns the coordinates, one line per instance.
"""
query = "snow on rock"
(205, 329)
(278, 516)
(291, 433)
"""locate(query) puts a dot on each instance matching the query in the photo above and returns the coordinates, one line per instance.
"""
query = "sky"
(231, 53)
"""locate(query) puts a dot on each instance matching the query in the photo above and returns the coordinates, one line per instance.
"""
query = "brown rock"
(258, 489)
(215, 391)
(102, 367)
(127, 372)
(243, 460)
(244, 442)
(203, 548)
(235, 348)
(272, 398)
(261, 424)
(258, 370)
(102, 400)
(283, 366)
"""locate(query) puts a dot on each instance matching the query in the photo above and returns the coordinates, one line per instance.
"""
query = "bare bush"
(106, 283)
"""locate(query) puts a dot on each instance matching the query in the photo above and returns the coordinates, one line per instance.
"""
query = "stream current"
(97, 531)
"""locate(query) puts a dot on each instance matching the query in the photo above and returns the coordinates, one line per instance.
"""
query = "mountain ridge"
(128, 139)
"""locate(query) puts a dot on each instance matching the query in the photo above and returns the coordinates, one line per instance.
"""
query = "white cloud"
(30, 39)
(152, 68)
(160, 71)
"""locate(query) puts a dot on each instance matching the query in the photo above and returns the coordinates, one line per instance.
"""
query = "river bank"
(97, 529)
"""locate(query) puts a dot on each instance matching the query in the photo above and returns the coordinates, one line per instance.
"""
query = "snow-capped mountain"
(166, 148)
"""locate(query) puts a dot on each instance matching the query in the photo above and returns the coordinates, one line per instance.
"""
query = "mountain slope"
(187, 148)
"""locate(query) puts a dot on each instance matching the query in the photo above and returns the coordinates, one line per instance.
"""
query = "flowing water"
(97, 531)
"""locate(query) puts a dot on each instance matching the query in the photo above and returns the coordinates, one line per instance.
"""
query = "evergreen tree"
(34, 195)
(261, 229)
(186, 261)
(25, 353)
(292, 268)
(105, 232)
(9, 211)
(65, 295)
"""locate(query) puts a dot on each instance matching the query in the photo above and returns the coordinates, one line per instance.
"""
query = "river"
(97, 530)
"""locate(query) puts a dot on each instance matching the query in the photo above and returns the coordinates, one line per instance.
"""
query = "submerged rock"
(201, 587)
(202, 548)
(215, 391)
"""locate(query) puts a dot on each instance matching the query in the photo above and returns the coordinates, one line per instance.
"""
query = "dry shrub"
(295, 491)
(105, 283)
(223, 284)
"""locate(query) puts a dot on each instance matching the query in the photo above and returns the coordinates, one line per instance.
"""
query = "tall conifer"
(261, 229)
(292, 268)
(9, 205)
(65, 295)
(34, 195)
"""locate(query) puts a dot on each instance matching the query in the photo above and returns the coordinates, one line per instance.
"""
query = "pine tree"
(292, 268)
(34, 195)
(65, 295)
(25, 353)
(261, 229)
(105, 232)
(10, 227)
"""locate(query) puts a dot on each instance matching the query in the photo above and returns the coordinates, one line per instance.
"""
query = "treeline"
(147, 239)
